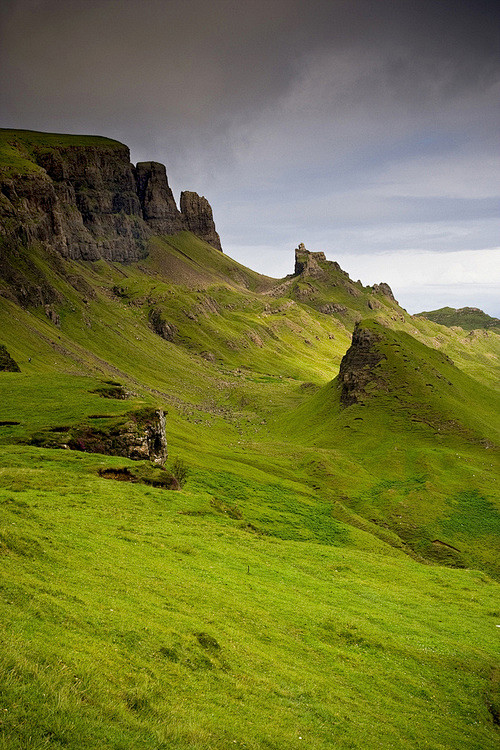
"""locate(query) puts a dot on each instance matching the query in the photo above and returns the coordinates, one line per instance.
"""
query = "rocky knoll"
(313, 264)
(82, 198)
(307, 262)
(357, 365)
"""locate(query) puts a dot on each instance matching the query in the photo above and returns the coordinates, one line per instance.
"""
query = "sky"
(367, 129)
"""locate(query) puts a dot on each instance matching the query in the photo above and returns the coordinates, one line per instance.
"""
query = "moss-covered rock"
(138, 435)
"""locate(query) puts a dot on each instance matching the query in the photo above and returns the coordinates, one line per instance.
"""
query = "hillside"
(468, 318)
(330, 562)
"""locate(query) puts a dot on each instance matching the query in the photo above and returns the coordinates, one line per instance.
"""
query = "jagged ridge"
(82, 197)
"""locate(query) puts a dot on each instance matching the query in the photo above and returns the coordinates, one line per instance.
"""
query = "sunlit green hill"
(468, 318)
(327, 575)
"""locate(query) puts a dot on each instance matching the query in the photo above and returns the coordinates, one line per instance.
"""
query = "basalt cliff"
(81, 197)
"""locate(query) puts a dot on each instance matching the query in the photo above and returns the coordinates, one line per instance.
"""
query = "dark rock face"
(198, 218)
(160, 326)
(307, 262)
(384, 288)
(83, 203)
(87, 202)
(156, 198)
(140, 438)
(7, 364)
(358, 363)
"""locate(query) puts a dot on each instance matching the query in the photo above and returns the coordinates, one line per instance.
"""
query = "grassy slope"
(334, 627)
(428, 434)
(207, 635)
(16, 148)
(468, 318)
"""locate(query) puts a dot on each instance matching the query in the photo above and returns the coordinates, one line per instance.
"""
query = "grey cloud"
(360, 124)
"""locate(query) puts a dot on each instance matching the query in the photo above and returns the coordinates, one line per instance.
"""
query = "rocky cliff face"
(82, 201)
(82, 198)
(157, 200)
(357, 367)
(198, 218)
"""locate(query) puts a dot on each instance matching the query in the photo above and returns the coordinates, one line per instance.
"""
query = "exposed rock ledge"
(137, 435)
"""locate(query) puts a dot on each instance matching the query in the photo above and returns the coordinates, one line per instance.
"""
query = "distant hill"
(468, 318)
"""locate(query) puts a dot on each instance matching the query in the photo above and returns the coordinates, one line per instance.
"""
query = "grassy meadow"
(327, 577)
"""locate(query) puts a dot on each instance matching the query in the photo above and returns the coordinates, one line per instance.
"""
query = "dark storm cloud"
(147, 67)
(326, 117)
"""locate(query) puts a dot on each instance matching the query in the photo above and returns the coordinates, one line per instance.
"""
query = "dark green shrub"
(180, 471)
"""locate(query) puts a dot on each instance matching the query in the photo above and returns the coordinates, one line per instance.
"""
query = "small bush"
(180, 471)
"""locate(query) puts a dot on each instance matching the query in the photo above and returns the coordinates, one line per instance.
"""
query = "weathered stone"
(357, 365)
(332, 308)
(86, 202)
(385, 289)
(81, 203)
(157, 201)
(167, 331)
(307, 262)
(198, 218)
(136, 435)
(52, 315)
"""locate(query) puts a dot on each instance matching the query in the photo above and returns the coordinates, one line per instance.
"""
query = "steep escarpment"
(81, 197)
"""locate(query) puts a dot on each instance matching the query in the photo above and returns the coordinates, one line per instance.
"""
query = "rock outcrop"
(307, 262)
(167, 331)
(157, 201)
(82, 198)
(198, 218)
(7, 364)
(384, 289)
(136, 435)
(357, 365)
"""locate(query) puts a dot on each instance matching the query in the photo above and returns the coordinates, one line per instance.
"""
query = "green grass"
(132, 620)
(468, 318)
(323, 578)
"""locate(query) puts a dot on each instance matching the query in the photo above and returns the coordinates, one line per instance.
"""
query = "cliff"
(198, 218)
(81, 197)
(357, 368)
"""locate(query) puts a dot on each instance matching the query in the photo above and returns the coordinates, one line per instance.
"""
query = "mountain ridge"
(318, 551)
